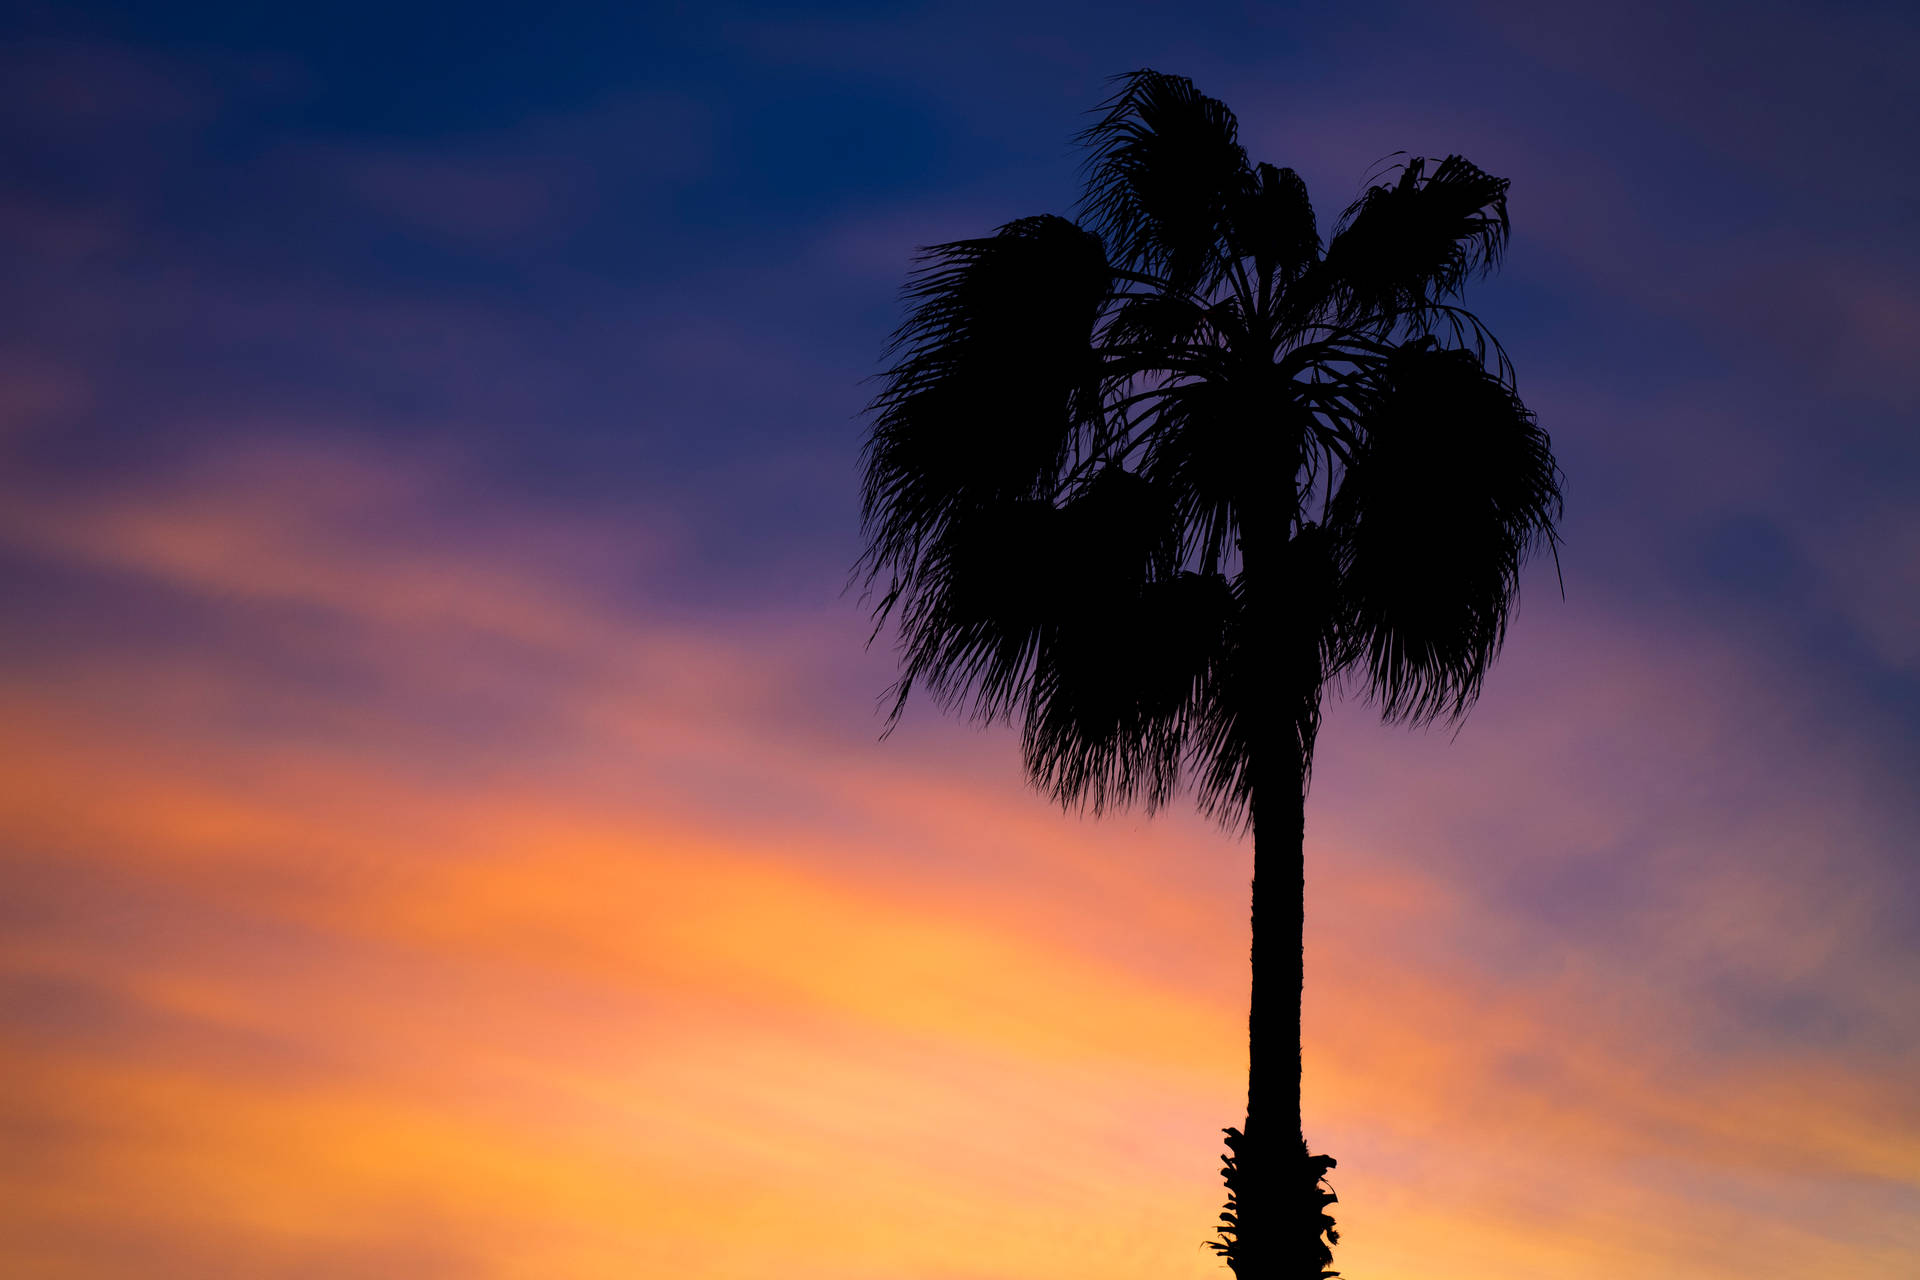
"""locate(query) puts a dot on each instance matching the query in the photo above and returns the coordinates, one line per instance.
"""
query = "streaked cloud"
(320, 973)
(441, 817)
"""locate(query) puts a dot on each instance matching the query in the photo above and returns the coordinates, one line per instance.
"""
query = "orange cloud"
(535, 940)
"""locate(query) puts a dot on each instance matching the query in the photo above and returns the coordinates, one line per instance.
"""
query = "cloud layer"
(442, 818)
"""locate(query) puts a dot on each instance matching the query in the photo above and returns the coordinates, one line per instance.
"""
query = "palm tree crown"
(1148, 482)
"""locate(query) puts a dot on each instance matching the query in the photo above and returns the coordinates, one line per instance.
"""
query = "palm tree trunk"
(1275, 1208)
(1277, 954)
(1272, 1237)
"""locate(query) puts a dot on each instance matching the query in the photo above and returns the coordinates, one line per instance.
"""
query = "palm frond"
(1404, 246)
(982, 596)
(1157, 335)
(1115, 688)
(1211, 445)
(1454, 488)
(994, 380)
(1165, 171)
(1275, 225)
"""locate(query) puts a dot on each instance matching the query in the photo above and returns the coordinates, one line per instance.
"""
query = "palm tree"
(1149, 483)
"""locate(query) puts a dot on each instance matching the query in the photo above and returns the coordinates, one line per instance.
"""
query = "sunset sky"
(444, 831)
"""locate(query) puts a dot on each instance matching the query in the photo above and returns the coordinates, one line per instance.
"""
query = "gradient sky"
(444, 831)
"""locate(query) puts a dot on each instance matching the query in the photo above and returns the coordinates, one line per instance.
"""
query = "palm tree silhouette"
(1150, 482)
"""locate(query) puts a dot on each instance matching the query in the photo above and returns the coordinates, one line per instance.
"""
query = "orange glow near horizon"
(517, 937)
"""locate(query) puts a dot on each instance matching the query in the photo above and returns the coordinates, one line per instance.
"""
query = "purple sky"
(482, 314)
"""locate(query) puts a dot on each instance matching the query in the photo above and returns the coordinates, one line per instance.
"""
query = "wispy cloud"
(441, 815)
(320, 970)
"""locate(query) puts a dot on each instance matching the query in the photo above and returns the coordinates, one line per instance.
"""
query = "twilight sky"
(443, 831)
